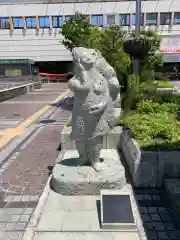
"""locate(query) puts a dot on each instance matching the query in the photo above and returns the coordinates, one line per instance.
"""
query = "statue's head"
(83, 58)
(88, 58)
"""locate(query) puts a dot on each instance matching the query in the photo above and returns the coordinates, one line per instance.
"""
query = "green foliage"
(154, 130)
(76, 31)
(155, 125)
(137, 91)
(111, 47)
(94, 40)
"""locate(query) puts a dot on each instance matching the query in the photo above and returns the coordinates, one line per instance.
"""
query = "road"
(30, 127)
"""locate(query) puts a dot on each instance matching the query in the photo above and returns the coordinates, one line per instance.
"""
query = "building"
(29, 29)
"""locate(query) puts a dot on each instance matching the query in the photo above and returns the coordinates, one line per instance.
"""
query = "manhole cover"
(47, 121)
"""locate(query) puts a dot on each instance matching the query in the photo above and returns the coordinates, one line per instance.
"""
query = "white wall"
(44, 45)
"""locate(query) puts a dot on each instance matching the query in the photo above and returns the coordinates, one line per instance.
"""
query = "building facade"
(30, 28)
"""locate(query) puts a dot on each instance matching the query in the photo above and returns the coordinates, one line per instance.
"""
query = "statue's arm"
(82, 84)
(100, 106)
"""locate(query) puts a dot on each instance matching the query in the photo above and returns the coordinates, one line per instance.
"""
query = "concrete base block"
(70, 179)
(71, 215)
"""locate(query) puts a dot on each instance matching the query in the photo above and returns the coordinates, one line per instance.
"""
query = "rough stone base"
(69, 179)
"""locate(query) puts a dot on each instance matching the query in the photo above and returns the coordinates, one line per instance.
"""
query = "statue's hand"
(97, 108)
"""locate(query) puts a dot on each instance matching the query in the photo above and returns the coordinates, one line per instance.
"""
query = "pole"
(137, 31)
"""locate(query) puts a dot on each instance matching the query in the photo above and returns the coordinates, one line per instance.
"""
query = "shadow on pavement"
(66, 103)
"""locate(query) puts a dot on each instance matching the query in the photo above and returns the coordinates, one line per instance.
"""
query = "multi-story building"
(30, 28)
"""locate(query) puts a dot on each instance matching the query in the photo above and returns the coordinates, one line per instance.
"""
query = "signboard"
(16, 61)
(13, 72)
(170, 44)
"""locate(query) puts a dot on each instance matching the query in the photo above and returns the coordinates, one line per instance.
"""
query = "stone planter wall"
(149, 168)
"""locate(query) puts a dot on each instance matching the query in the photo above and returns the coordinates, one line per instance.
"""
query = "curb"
(29, 232)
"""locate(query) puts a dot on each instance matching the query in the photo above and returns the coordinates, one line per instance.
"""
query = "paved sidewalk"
(27, 158)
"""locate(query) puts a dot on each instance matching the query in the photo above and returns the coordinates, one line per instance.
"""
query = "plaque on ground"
(116, 211)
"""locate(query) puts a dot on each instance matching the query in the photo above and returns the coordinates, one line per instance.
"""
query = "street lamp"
(137, 32)
(137, 47)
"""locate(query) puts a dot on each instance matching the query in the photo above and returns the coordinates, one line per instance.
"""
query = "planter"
(137, 48)
(149, 168)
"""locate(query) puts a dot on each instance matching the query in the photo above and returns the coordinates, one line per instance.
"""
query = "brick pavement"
(28, 169)
(24, 173)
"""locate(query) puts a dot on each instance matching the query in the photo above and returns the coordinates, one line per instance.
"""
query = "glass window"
(151, 18)
(177, 18)
(124, 19)
(31, 22)
(44, 22)
(57, 21)
(165, 18)
(134, 19)
(97, 20)
(4, 23)
(67, 17)
(110, 20)
(18, 23)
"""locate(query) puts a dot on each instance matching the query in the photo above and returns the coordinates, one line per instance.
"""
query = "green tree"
(76, 31)
(111, 47)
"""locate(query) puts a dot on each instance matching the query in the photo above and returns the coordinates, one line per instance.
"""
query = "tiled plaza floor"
(157, 218)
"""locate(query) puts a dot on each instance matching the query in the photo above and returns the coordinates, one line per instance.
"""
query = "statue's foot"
(97, 166)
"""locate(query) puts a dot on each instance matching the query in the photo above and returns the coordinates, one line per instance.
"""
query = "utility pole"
(137, 32)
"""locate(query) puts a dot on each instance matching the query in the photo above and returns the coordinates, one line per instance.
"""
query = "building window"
(165, 18)
(111, 20)
(18, 23)
(97, 20)
(177, 18)
(57, 21)
(4, 23)
(31, 22)
(44, 22)
(124, 19)
(151, 18)
(68, 17)
(134, 19)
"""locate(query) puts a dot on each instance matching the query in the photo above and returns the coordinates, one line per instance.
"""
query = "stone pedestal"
(70, 179)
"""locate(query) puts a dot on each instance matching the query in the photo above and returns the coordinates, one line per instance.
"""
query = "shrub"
(154, 125)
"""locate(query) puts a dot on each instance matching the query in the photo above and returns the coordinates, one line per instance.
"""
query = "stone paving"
(156, 215)
(25, 171)
(15, 212)
(23, 174)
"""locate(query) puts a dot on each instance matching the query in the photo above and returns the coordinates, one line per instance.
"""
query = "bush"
(154, 125)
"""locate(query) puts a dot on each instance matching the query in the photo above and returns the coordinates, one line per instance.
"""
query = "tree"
(111, 47)
(76, 31)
